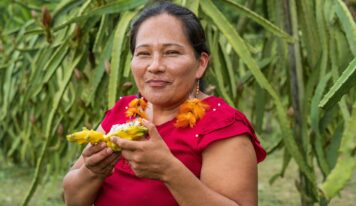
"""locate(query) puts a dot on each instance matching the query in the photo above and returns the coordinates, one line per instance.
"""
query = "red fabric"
(220, 121)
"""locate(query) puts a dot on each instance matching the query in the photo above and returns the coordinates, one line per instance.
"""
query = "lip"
(157, 83)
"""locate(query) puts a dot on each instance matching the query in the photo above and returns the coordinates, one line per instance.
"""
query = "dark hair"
(191, 25)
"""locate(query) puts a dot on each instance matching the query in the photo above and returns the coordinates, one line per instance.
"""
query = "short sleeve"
(226, 125)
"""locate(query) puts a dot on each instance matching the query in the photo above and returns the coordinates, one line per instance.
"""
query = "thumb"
(152, 130)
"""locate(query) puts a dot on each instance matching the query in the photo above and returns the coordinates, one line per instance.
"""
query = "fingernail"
(109, 151)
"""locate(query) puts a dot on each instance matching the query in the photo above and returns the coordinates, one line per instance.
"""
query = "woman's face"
(164, 64)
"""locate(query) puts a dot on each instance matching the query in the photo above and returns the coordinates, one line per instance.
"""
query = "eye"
(143, 54)
(172, 52)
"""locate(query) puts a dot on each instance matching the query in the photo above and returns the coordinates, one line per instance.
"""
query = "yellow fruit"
(130, 130)
(85, 136)
(113, 146)
(131, 133)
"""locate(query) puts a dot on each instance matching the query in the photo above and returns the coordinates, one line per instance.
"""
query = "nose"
(156, 65)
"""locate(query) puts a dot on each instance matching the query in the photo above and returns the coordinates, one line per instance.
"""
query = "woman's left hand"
(148, 158)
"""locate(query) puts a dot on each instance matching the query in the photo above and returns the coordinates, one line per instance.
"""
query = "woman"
(207, 157)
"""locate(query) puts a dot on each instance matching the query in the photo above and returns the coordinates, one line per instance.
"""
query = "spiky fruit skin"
(130, 131)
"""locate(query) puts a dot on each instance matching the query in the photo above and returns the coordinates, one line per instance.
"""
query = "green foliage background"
(290, 65)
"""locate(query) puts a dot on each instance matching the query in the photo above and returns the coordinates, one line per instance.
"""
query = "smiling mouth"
(157, 83)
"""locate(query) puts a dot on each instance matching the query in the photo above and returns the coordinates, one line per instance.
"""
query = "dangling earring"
(197, 89)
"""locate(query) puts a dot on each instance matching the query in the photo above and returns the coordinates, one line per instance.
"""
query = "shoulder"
(220, 113)
(222, 121)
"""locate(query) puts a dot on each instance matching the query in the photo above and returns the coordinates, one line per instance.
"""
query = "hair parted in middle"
(191, 25)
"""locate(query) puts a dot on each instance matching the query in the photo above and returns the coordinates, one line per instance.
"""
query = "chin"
(158, 99)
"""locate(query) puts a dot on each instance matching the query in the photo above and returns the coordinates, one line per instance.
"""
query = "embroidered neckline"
(189, 113)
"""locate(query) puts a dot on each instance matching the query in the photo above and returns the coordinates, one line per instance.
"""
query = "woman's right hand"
(100, 160)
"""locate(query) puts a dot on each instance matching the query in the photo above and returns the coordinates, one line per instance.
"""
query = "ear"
(203, 64)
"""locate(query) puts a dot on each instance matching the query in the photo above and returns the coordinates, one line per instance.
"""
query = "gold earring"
(197, 89)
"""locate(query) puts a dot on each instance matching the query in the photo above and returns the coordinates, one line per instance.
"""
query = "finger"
(96, 158)
(92, 149)
(141, 138)
(152, 130)
(127, 144)
(109, 162)
(128, 155)
(110, 167)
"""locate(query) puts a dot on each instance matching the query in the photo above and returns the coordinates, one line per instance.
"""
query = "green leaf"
(99, 71)
(348, 24)
(332, 150)
(343, 84)
(56, 100)
(101, 33)
(127, 66)
(111, 8)
(231, 74)
(117, 56)
(50, 68)
(286, 161)
(345, 164)
(217, 67)
(314, 116)
(260, 20)
(241, 49)
(193, 5)
(308, 28)
(323, 34)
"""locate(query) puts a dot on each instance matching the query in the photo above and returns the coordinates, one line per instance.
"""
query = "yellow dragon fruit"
(132, 130)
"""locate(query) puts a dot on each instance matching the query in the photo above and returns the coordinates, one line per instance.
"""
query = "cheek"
(136, 70)
(185, 73)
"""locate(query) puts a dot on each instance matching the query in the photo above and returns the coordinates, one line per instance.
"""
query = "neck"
(159, 114)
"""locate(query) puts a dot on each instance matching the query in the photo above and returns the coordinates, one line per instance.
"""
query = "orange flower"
(185, 120)
(134, 103)
(138, 102)
(137, 108)
(190, 112)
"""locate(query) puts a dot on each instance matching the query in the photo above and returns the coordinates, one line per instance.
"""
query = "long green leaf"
(217, 67)
(193, 5)
(314, 116)
(323, 36)
(345, 82)
(99, 71)
(308, 28)
(56, 100)
(348, 24)
(231, 74)
(50, 68)
(111, 8)
(117, 56)
(241, 49)
(260, 20)
(100, 34)
(345, 164)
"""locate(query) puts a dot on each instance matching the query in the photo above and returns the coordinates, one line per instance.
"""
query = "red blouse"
(220, 121)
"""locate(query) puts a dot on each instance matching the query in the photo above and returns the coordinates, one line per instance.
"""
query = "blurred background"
(289, 65)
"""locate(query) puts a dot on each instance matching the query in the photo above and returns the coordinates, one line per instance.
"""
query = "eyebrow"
(164, 45)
